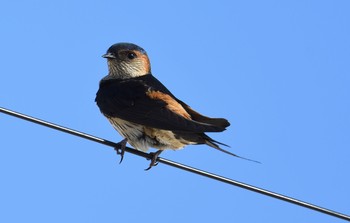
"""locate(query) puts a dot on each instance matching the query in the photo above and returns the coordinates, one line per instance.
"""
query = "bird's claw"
(120, 149)
(154, 159)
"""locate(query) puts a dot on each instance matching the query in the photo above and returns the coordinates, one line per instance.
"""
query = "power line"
(178, 165)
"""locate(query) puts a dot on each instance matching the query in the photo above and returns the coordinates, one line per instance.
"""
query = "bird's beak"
(108, 56)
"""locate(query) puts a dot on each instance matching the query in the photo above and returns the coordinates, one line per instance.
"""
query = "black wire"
(179, 165)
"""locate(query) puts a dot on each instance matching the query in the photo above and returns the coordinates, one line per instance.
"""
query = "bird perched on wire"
(144, 111)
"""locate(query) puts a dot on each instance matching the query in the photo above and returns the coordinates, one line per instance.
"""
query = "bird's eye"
(131, 56)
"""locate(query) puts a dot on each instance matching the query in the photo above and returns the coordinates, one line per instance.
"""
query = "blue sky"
(277, 70)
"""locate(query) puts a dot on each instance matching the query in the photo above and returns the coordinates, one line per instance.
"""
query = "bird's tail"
(213, 143)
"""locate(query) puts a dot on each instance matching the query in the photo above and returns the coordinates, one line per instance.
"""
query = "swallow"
(144, 112)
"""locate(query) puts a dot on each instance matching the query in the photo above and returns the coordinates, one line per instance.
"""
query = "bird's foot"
(154, 159)
(120, 149)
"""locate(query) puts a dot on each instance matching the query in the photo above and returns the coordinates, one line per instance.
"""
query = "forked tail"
(212, 143)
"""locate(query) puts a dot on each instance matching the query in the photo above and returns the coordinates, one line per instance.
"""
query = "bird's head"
(127, 60)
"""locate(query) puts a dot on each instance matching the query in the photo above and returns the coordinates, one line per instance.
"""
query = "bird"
(144, 112)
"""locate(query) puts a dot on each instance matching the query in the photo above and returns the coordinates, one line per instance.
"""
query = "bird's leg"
(120, 149)
(154, 159)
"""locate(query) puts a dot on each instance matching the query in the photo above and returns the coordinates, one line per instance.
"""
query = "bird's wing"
(137, 101)
(204, 119)
(152, 81)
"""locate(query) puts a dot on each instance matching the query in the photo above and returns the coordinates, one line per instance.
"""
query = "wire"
(179, 165)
